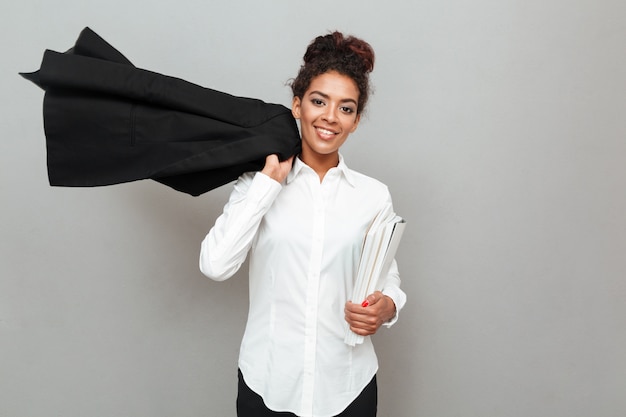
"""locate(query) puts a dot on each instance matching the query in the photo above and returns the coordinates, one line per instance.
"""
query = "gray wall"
(499, 127)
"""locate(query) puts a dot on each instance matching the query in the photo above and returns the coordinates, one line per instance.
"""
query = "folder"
(379, 248)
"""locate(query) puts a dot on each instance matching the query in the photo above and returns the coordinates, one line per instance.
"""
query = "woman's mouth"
(325, 133)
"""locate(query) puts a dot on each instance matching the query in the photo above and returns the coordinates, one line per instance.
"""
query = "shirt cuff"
(264, 189)
(399, 299)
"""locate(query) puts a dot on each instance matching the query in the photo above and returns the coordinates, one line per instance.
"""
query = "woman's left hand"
(366, 318)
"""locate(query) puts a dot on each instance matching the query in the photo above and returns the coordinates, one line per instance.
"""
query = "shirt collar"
(298, 165)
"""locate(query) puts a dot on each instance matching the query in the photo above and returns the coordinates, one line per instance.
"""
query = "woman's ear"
(295, 107)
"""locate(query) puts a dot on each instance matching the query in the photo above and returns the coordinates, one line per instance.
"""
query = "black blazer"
(108, 122)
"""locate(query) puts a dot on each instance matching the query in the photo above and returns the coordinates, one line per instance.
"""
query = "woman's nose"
(330, 114)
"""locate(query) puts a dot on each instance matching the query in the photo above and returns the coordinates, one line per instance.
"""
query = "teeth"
(325, 132)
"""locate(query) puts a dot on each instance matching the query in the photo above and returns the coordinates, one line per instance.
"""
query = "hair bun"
(349, 56)
(342, 48)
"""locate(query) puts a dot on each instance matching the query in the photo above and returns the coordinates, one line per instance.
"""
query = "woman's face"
(327, 113)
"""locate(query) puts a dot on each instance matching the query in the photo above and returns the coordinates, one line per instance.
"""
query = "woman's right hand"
(276, 169)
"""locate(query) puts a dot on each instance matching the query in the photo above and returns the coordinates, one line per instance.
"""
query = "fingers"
(276, 169)
(372, 299)
(366, 318)
(363, 320)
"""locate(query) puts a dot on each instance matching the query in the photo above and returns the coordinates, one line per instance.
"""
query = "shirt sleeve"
(392, 289)
(391, 284)
(226, 246)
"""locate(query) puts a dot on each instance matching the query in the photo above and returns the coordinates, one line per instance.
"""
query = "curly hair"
(349, 56)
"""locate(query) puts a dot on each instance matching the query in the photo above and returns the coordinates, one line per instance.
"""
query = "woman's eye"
(347, 110)
(317, 102)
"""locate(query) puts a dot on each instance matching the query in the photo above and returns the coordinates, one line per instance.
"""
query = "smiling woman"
(303, 221)
(328, 114)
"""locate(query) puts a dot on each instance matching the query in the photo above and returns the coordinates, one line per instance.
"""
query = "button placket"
(312, 302)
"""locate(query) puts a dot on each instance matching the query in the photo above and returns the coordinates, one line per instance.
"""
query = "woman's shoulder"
(371, 190)
(362, 180)
(359, 179)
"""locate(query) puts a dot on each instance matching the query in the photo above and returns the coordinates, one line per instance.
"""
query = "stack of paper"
(379, 248)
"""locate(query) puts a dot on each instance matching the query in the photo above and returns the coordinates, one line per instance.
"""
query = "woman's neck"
(320, 163)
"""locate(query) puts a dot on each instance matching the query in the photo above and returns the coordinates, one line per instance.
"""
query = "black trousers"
(250, 404)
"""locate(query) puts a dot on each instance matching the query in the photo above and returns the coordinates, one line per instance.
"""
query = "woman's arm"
(380, 308)
(226, 246)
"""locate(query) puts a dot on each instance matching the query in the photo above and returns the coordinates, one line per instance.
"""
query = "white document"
(379, 248)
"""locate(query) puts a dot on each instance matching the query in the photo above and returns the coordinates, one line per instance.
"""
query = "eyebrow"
(326, 96)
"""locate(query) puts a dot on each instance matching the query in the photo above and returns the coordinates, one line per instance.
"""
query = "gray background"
(499, 127)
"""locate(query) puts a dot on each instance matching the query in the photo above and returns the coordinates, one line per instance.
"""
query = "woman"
(303, 221)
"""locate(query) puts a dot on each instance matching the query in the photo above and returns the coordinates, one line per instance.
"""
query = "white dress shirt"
(304, 239)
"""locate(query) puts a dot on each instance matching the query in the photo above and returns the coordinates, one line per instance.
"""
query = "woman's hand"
(366, 318)
(276, 169)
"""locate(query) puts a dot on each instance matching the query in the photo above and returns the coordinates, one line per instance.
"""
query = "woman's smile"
(326, 133)
(327, 114)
